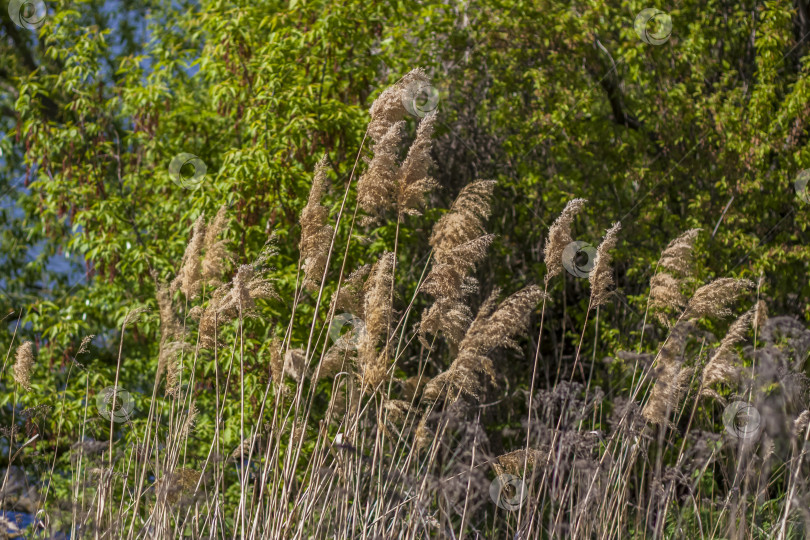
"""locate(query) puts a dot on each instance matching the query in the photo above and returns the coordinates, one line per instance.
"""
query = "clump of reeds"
(494, 326)
(387, 184)
(711, 300)
(342, 444)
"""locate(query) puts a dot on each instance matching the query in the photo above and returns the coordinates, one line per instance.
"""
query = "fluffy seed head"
(673, 267)
(316, 235)
(666, 394)
(216, 252)
(246, 288)
(171, 328)
(447, 315)
(449, 279)
(492, 328)
(670, 376)
(189, 277)
(133, 315)
(412, 179)
(722, 367)
(601, 276)
(24, 363)
(376, 188)
(465, 220)
(388, 108)
(760, 314)
(665, 294)
(559, 236)
(276, 362)
(378, 311)
(377, 297)
(800, 425)
(85, 342)
(677, 257)
(423, 436)
(712, 300)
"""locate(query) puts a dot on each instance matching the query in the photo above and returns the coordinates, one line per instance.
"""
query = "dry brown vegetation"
(389, 432)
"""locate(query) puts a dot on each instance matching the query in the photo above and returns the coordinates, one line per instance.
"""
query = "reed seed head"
(24, 364)
(216, 252)
(388, 108)
(723, 365)
(188, 279)
(316, 235)
(559, 236)
(677, 257)
(412, 178)
(712, 300)
(601, 276)
(376, 188)
(465, 220)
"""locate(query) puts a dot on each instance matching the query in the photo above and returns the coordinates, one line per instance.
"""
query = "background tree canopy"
(553, 100)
